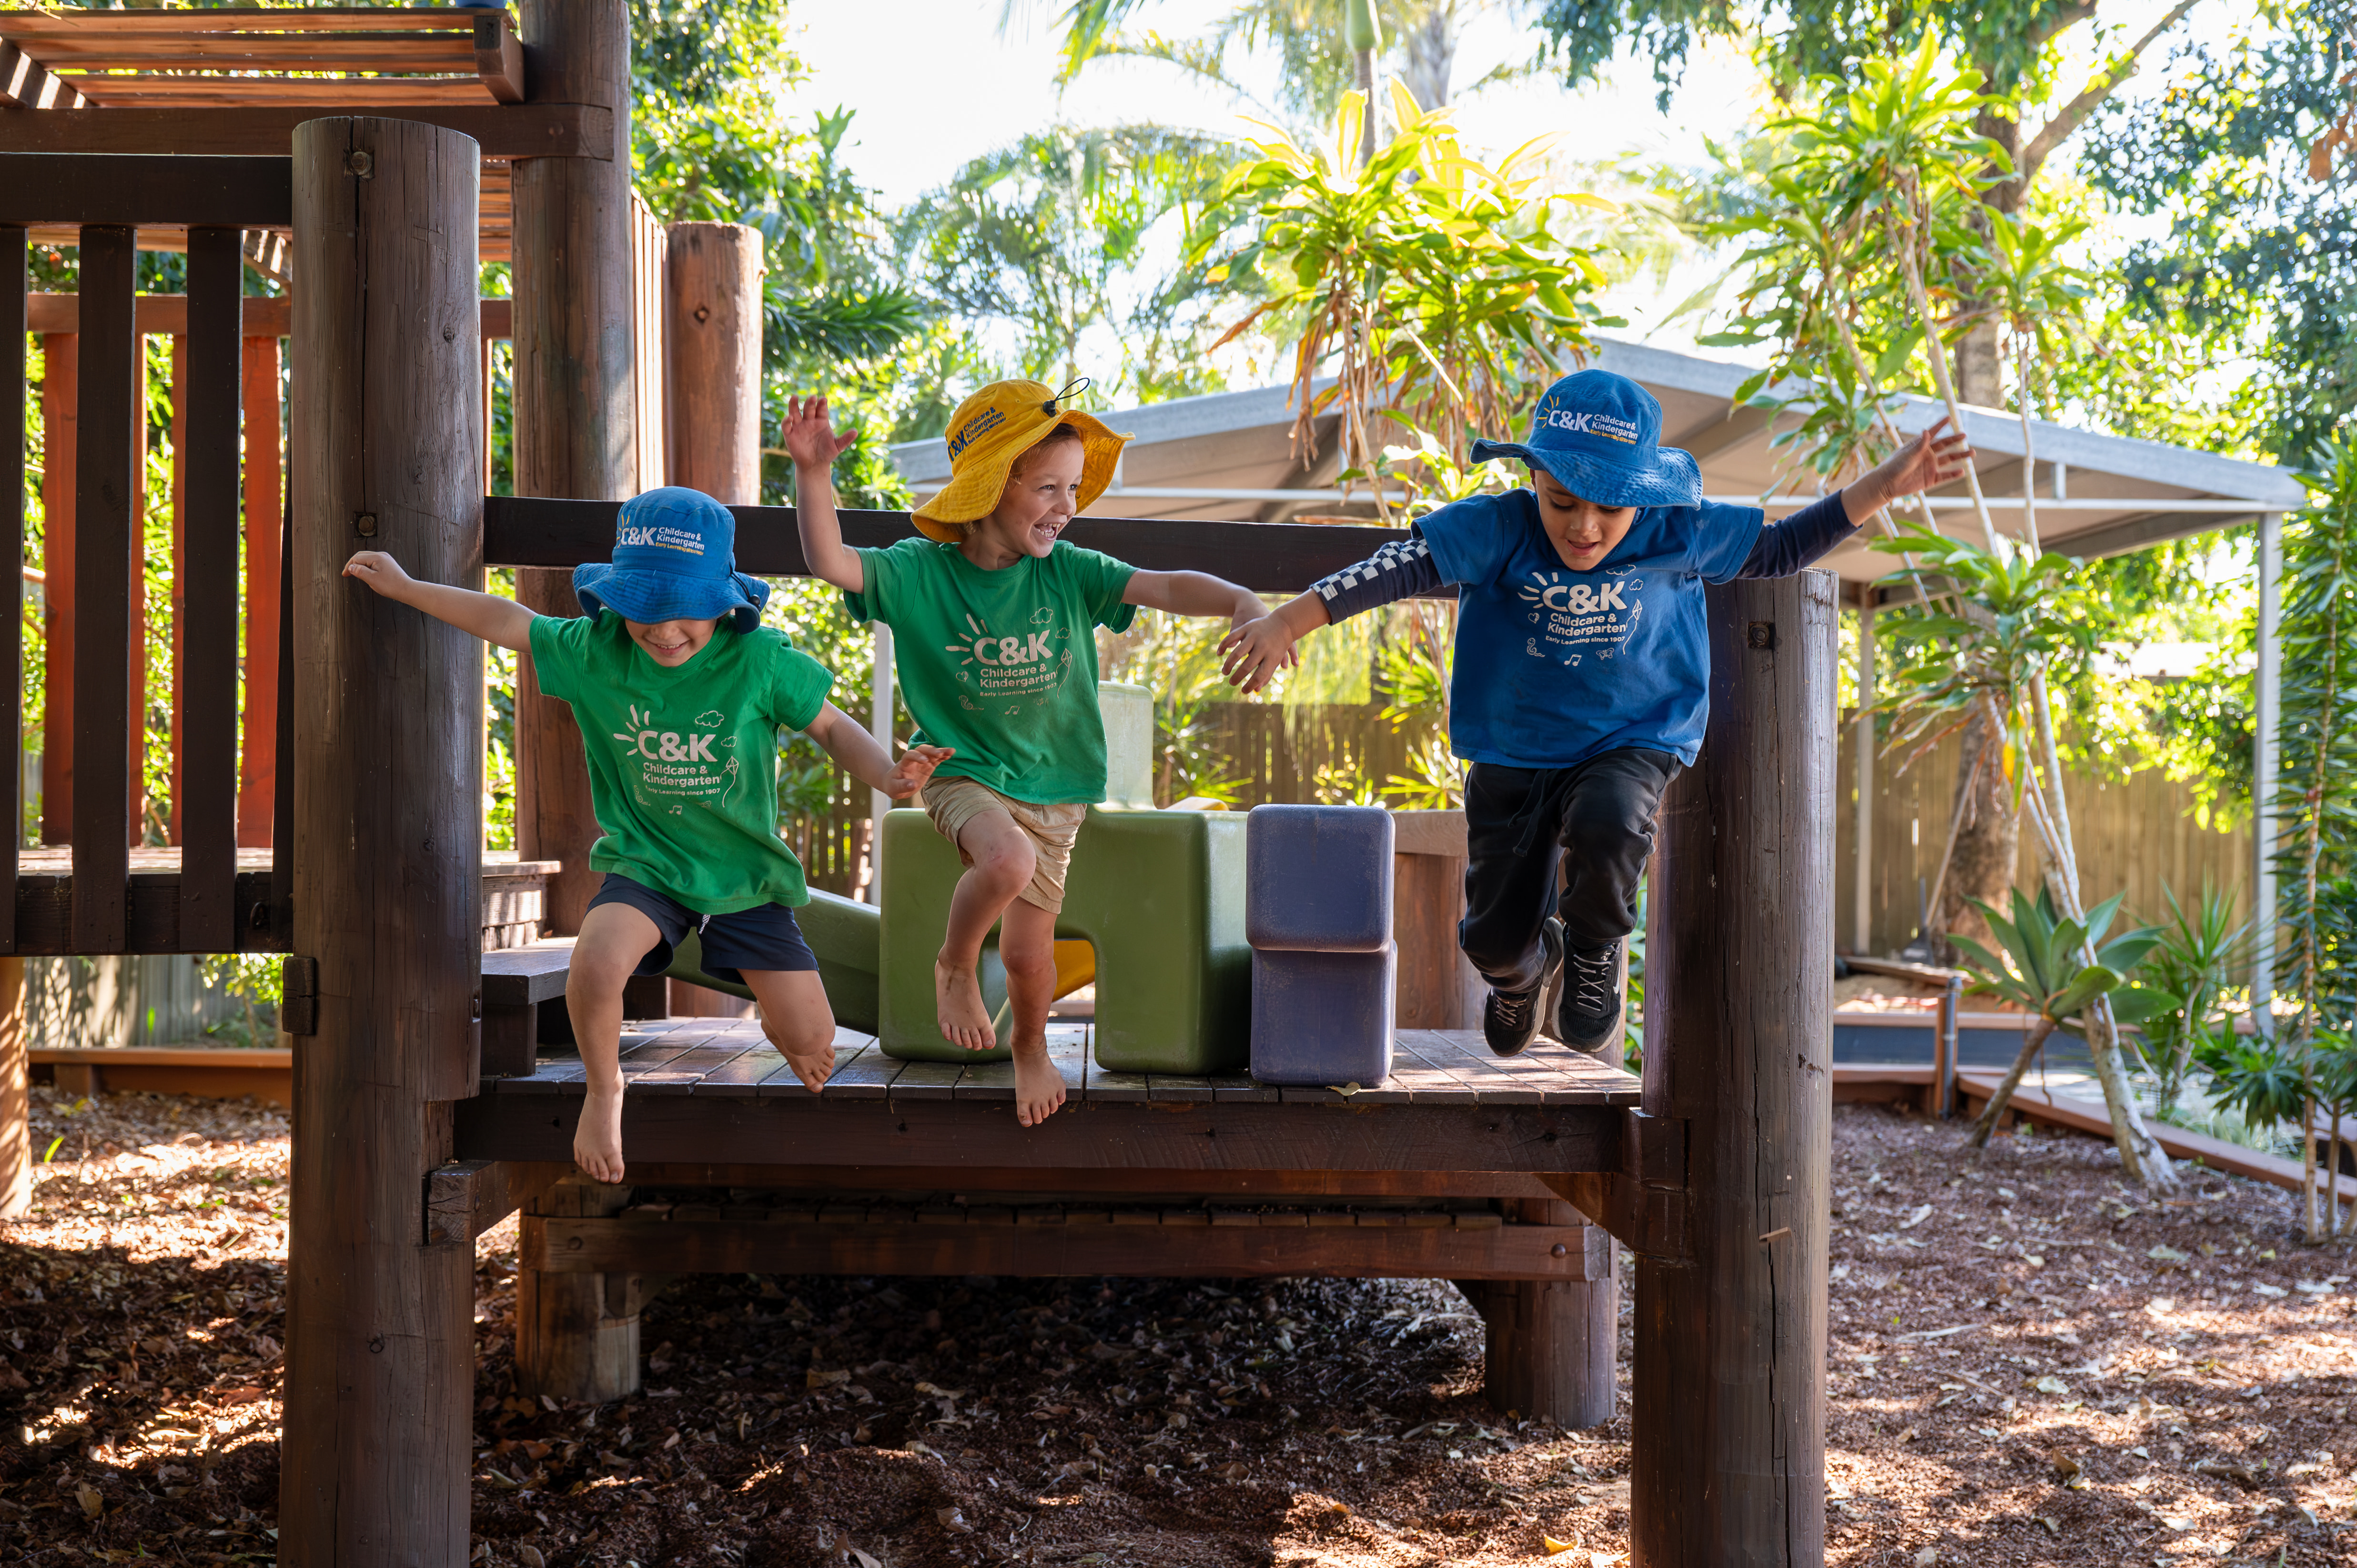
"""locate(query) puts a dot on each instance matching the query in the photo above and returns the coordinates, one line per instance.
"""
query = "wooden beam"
(712, 297)
(466, 1198)
(79, 23)
(410, 51)
(92, 188)
(1270, 557)
(1080, 1185)
(108, 488)
(169, 314)
(205, 672)
(151, 915)
(1553, 1346)
(327, 95)
(1184, 1136)
(26, 83)
(574, 428)
(500, 131)
(578, 1333)
(944, 1240)
(380, 1324)
(1728, 1447)
(498, 57)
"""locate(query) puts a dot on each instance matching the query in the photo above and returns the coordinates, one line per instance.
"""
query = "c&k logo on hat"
(658, 536)
(987, 420)
(1581, 421)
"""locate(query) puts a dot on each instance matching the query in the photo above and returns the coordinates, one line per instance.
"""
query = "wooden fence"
(2139, 834)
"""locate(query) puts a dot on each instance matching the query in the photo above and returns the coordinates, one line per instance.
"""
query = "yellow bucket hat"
(990, 431)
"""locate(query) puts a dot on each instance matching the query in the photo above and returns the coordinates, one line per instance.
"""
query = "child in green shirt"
(680, 691)
(995, 622)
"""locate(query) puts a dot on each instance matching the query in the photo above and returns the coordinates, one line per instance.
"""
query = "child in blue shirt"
(1581, 679)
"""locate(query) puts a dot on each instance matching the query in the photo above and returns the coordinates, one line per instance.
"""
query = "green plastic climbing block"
(846, 936)
(1158, 895)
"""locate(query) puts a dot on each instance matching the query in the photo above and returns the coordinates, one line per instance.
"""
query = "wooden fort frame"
(1714, 1170)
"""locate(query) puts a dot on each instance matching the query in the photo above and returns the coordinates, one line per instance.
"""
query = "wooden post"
(712, 314)
(386, 841)
(60, 415)
(110, 441)
(1727, 1456)
(574, 422)
(578, 1335)
(1553, 1345)
(257, 778)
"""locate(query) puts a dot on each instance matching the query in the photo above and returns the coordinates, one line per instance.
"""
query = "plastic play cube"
(1322, 1018)
(1318, 878)
(1159, 894)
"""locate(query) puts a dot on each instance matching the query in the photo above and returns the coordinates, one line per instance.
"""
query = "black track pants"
(1586, 831)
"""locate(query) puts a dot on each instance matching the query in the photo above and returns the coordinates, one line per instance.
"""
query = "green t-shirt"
(683, 761)
(1002, 666)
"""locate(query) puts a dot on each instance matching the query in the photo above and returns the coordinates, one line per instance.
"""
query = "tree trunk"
(1989, 846)
(2032, 1042)
(1980, 377)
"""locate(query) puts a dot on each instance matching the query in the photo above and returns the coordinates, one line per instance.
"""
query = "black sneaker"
(1510, 1020)
(1588, 1013)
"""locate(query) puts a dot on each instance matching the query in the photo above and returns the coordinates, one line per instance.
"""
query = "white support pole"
(1862, 941)
(2266, 701)
(879, 724)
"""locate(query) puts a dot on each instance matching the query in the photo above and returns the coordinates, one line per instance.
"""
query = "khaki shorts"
(954, 802)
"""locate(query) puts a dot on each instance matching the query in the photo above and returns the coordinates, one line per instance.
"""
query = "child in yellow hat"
(993, 619)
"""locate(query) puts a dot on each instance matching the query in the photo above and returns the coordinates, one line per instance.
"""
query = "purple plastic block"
(1322, 1017)
(1318, 878)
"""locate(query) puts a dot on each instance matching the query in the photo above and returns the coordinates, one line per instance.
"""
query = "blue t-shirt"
(1554, 666)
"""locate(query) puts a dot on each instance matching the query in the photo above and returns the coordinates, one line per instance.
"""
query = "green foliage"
(2193, 963)
(1432, 286)
(2316, 804)
(2041, 970)
(2259, 256)
(1063, 238)
(1177, 658)
(252, 979)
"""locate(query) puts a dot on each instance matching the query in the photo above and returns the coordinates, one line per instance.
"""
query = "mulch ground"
(2029, 1364)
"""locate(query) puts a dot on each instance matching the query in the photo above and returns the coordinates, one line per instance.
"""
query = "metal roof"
(2097, 495)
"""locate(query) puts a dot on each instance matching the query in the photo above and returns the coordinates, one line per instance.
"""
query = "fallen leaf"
(1553, 1547)
(92, 1503)
(2166, 1253)
(2050, 1384)
(1232, 1471)
(815, 1379)
(1928, 1556)
(1916, 1217)
(2064, 1465)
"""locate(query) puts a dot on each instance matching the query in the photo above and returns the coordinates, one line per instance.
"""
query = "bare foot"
(1038, 1087)
(597, 1139)
(957, 999)
(813, 1069)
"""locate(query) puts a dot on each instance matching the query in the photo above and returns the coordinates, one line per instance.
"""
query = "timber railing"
(102, 908)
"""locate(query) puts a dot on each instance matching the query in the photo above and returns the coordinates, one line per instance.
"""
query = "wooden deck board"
(731, 1059)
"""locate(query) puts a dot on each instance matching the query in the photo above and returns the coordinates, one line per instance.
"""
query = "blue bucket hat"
(1600, 435)
(675, 559)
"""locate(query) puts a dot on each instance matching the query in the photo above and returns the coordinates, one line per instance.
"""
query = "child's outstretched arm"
(1257, 650)
(842, 737)
(501, 621)
(810, 440)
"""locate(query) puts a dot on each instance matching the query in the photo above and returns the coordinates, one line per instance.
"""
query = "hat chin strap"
(1050, 407)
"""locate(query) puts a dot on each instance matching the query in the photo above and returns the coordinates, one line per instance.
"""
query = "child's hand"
(916, 766)
(1923, 465)
(807, 436)
(1256, 651)
(381, 572)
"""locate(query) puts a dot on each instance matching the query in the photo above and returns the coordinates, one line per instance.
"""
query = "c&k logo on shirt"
(669, 745)
(1576, 610)
(1031, 664)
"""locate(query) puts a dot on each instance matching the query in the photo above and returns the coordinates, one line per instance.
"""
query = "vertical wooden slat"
(282, 731)
(106, 494)
(178, 676)
(135, 717)
(204, 740)
(13, 409)
(61, 427)
(265, 521)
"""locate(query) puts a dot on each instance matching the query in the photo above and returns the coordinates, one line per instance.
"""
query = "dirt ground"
(2027, 1364)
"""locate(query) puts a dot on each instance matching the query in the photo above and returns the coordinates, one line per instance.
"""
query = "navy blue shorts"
(763, 937)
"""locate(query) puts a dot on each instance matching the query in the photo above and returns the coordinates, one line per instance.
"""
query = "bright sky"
(934, 84)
